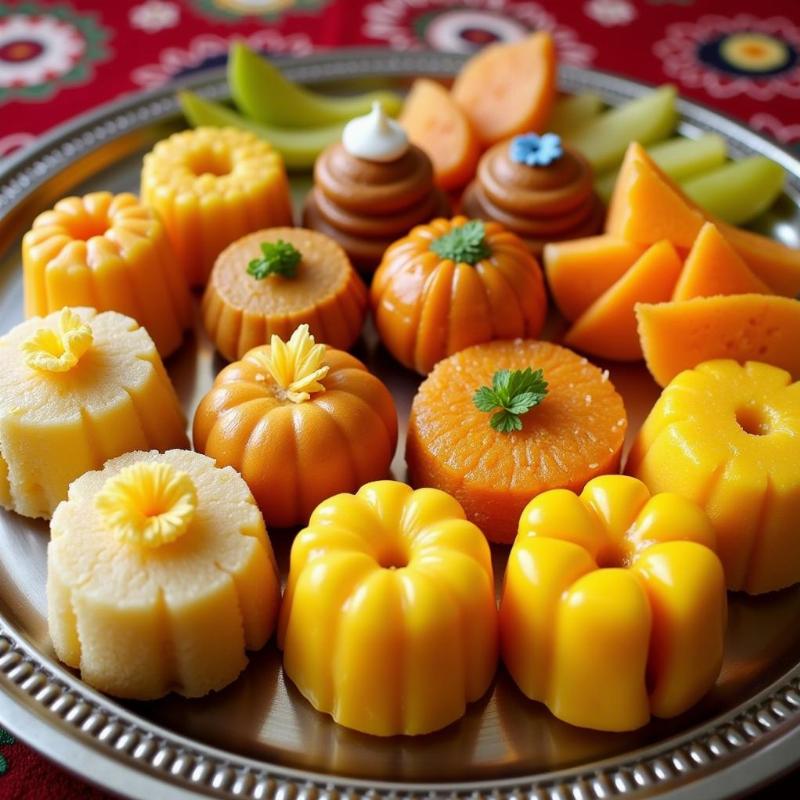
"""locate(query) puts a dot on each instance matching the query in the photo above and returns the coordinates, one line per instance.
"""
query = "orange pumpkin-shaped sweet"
(454, 283)
(300, 422)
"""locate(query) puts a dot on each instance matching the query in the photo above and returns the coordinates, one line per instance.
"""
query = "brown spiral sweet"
(539, 204)
(367, 205)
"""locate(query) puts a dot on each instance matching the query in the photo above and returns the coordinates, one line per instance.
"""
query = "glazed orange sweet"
(300, 422)
(574, 434)
(241, 311)
(430, 304)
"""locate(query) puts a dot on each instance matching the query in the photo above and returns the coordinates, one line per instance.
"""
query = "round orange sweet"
(427, 306)
(573, 435)
(294, 455)
(241, 311)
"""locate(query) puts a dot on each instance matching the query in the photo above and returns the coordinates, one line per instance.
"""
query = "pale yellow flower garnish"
(58, 351)
(297, 365)
(148, 503)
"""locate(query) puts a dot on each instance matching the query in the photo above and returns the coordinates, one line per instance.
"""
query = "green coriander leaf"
(485, 399)
(277, 258)
(466, 244)
(505, 422)
(513, 393)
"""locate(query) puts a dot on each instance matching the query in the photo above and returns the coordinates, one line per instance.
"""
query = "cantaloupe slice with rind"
(608, 327)
(745, 327)
(713, 267)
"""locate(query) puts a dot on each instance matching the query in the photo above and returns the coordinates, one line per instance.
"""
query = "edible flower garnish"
(297, 365)
(59, 350)
(536, 151)
(466, 244)
(277, 258)
(147, 503)
(514, 393)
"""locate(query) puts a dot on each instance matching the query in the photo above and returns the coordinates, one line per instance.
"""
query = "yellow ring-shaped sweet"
(212, 186)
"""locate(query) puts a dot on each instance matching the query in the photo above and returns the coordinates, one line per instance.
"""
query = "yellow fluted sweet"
(389, 621)
(160, 576)
(78, 388)
(614, 605)
(727, 436)
(212, 186)
(111, 253)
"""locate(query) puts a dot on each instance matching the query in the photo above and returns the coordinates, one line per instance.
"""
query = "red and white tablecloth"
(59, 58)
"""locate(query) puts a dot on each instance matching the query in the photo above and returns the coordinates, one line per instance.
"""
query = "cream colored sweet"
(160, 576)
(78, 388)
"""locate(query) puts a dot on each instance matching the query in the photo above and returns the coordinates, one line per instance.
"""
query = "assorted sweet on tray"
(300, 421)
(725, 434)
(78, 388)
(538, 188)
(269, 282)
(454, 283)
(371, 188)
(160, 575)
(613, 588)
(109, 252)
(160, 572)
(399, 586)
(211, 186)
(493, 432)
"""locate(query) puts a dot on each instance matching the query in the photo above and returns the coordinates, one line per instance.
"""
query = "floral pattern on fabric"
(209, 50)
(730, 56)
(235, 10)
(43, 48)
(5, 739)
(467, 26)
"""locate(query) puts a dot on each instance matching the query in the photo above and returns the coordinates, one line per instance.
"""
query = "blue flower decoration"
(536, 151)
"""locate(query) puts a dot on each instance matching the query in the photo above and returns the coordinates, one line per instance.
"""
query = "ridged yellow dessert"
(727, 436)
(211, 186)
(160, 575)
(389, 621)
(109, 252)
(77, 388)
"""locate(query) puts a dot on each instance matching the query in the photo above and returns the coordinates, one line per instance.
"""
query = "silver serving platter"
(258, 738)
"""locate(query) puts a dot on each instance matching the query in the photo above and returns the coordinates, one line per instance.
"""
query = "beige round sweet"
(139, 621)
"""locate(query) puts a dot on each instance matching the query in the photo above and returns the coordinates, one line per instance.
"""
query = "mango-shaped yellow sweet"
(727, 436)
(211, 186)
(389, 622)
(111, 253)
(160, 575)
(77, 388)
(614, 605)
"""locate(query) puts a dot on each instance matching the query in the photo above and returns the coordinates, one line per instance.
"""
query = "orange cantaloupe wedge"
(580, 270)
(775, 263)
(647, 206)
(508, 89)
(714, 267)
(746, 327)
(608, 327)
(436, 123)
